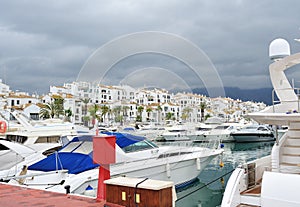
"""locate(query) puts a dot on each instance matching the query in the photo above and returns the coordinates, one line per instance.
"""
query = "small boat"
(253, 133)
(135, 157)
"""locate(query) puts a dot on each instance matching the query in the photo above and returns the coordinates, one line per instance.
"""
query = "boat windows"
(202, 129)
(151, 143)
(222, 127)
(177, 130)
(250, 127)
(16, 138)
(172, 154)
(139, 146)
(85, 148)
(71, 146)
(2, 147)
(54, 139)
(262, 129)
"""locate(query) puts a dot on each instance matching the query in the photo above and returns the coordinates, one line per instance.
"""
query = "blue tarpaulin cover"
(78, 162)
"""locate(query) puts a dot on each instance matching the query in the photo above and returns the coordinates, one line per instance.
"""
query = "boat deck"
(251, 197)
(252, 191)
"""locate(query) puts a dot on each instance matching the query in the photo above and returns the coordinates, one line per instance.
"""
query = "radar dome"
(279, 48)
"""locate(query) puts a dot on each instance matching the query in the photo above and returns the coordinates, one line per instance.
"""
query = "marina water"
(208, 190)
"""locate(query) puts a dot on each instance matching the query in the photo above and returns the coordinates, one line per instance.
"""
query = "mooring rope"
(205, 185)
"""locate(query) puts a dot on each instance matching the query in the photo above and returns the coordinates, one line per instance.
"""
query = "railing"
(296, 91)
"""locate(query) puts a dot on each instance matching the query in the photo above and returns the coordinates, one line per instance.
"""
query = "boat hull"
(178, 170)
(247, 137)
(181, 173)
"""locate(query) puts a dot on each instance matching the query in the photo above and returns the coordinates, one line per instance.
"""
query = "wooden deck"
(252, 191)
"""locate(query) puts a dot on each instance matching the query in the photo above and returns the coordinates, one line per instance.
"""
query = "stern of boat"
(244, 184)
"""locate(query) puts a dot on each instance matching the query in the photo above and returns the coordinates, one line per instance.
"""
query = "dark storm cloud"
(46, 43)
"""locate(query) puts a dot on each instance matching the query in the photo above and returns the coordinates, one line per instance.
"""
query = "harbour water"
(208, 190)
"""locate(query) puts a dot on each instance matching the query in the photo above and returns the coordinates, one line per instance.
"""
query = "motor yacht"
(223, 132)
(253, 133)
(200, 130)
(42, 132)
(14, 156)
(135, 157)
(177, 132)
(272, 181)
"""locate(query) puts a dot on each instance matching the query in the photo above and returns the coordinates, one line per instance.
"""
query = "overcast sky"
(45, 43)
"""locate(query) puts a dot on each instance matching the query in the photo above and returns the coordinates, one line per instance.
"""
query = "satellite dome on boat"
(279, 48)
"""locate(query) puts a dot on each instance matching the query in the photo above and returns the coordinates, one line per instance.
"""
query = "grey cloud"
(47, 42)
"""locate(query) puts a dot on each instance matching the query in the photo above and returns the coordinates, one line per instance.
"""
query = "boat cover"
(77, 155)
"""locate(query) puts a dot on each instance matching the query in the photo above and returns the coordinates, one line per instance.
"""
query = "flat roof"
(143, 183)
(12, 195)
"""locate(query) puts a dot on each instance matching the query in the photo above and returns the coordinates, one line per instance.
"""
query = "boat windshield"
(79, 147)
(176, 130)
(251, 127)
(222, 127)
(202, 129)
(139, 146)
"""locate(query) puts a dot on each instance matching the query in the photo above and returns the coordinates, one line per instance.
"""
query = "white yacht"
(177, 132)
(135, 157)
(49, 131)
(253, 133)
(273, 181)
(200, 130)
(13, 156)
(222, 132)
(149, 130)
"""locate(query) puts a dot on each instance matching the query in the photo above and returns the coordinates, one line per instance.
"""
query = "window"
(138, 146)
(34, 116)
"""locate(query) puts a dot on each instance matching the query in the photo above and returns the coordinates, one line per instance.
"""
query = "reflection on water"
(199, 194)
(206, 194)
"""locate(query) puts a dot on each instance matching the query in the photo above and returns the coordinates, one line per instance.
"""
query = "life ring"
(3, 126)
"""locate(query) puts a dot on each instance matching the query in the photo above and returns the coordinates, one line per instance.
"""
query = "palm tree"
(148, 110)
(51, 110)
(47, 111)
(117, 113)
(169, 116)
(202, 108)
(124, 111)
(93, 110)
(159, 109)
(186, 113)
(59, 102)
(85, 101)
(207, 116)
(68, 114)
(140, 110)
(104, 111)
(85, 109)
